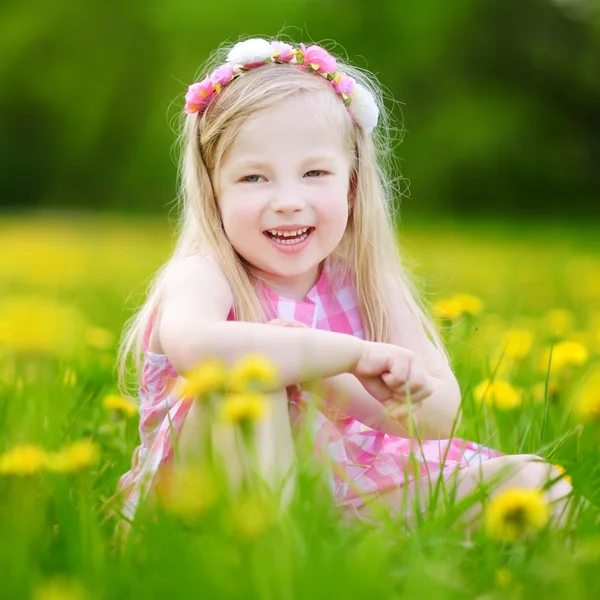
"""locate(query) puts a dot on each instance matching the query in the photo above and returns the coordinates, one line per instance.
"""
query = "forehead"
(303, 124)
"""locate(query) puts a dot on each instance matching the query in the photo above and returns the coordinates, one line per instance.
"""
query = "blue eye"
(251, 178)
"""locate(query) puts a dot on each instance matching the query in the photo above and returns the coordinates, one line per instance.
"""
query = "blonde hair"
(368, 251)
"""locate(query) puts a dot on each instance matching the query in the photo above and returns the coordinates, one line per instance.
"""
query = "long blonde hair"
(368, 251)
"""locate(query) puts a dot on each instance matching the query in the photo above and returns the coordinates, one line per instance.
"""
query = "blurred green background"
(500, 99)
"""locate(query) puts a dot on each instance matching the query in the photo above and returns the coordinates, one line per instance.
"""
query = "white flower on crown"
(249, 52)
(364, 108)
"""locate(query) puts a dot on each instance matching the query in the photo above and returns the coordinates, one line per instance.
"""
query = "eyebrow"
(259, 164)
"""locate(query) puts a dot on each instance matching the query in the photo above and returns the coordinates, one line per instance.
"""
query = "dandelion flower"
(517, 343)
(559, 321)
(250, 517)
(456, 306)
(249, 406)
(516, 513)
(447, 309)
(207, 378)
(562, 471)
(539, 391)
(186, 491)
(498, 393)
(470, 305)
(38, 326)
(25, 459)
(564, 354)
(253, 371)
(587, 406)
(74, 457)
(99, 338)
(120, 405)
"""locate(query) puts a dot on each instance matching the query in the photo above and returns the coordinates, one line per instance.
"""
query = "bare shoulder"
(193, 290)
(195, 275)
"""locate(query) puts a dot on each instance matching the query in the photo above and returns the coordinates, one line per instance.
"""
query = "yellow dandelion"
(563, 471)
(587, 406)
(456, 306)
(516, 513)
(498, 393)
(253, 371)
(24, 459)
(539, 391)
(207, 378)
(470, 305)
(250, 517)
(447, 309)
(120, 405)
(99, 338)
(559, 321)
(60, 589)
(38, 326)
(503, 578)
(74, 457)
(564, 354)
(517, 343)
(249, 406)
(186, 491)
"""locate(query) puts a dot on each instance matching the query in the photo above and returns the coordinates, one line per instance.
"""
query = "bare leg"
(275, 456)
(494, 475)
(520, 470)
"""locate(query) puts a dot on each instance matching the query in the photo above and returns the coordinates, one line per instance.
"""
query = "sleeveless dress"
(361, 462)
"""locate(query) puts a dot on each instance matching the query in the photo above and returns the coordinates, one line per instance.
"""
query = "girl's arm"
(192, 326)
(347, 394)
(439, 414)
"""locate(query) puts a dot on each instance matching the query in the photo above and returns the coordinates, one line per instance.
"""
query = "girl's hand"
(286, 323)
(395, 376)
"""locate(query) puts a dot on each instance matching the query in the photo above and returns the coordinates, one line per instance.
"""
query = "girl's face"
(283, 189)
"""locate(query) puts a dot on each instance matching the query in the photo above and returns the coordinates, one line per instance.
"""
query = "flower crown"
(256, 52)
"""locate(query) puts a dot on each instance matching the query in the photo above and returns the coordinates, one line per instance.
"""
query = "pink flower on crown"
(318, 58)
(221, 76)
(343, 84)
(282, 51)
(199, 95)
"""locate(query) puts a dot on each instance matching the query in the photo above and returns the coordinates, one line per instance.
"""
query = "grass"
(68, 284)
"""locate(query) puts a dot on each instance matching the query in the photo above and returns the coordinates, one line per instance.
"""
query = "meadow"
(519, 308)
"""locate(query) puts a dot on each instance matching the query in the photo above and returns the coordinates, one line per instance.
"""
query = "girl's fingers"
(287, 323)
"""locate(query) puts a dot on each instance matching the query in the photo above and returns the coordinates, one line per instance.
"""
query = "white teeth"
(288, 233)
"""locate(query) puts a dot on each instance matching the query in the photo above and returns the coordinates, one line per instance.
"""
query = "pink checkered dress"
(362, 462)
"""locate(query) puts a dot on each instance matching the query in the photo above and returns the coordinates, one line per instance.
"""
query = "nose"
(288, 199)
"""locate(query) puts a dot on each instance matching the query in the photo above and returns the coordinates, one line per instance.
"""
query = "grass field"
(518, 304)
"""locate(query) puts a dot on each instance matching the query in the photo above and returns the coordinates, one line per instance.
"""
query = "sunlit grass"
(520, 310)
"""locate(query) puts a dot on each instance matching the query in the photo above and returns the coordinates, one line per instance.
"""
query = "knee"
(529, 470)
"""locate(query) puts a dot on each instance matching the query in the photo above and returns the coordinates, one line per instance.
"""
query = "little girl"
(287, 249)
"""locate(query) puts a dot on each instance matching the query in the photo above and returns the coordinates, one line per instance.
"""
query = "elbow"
(185, 351)
(442, 414)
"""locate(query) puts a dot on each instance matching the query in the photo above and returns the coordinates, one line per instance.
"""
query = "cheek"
(236, 213)
(333, 207)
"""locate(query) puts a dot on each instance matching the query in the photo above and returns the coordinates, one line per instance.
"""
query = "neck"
(295, 287)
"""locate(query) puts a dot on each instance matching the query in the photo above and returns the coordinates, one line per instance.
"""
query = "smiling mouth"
(289, 237)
